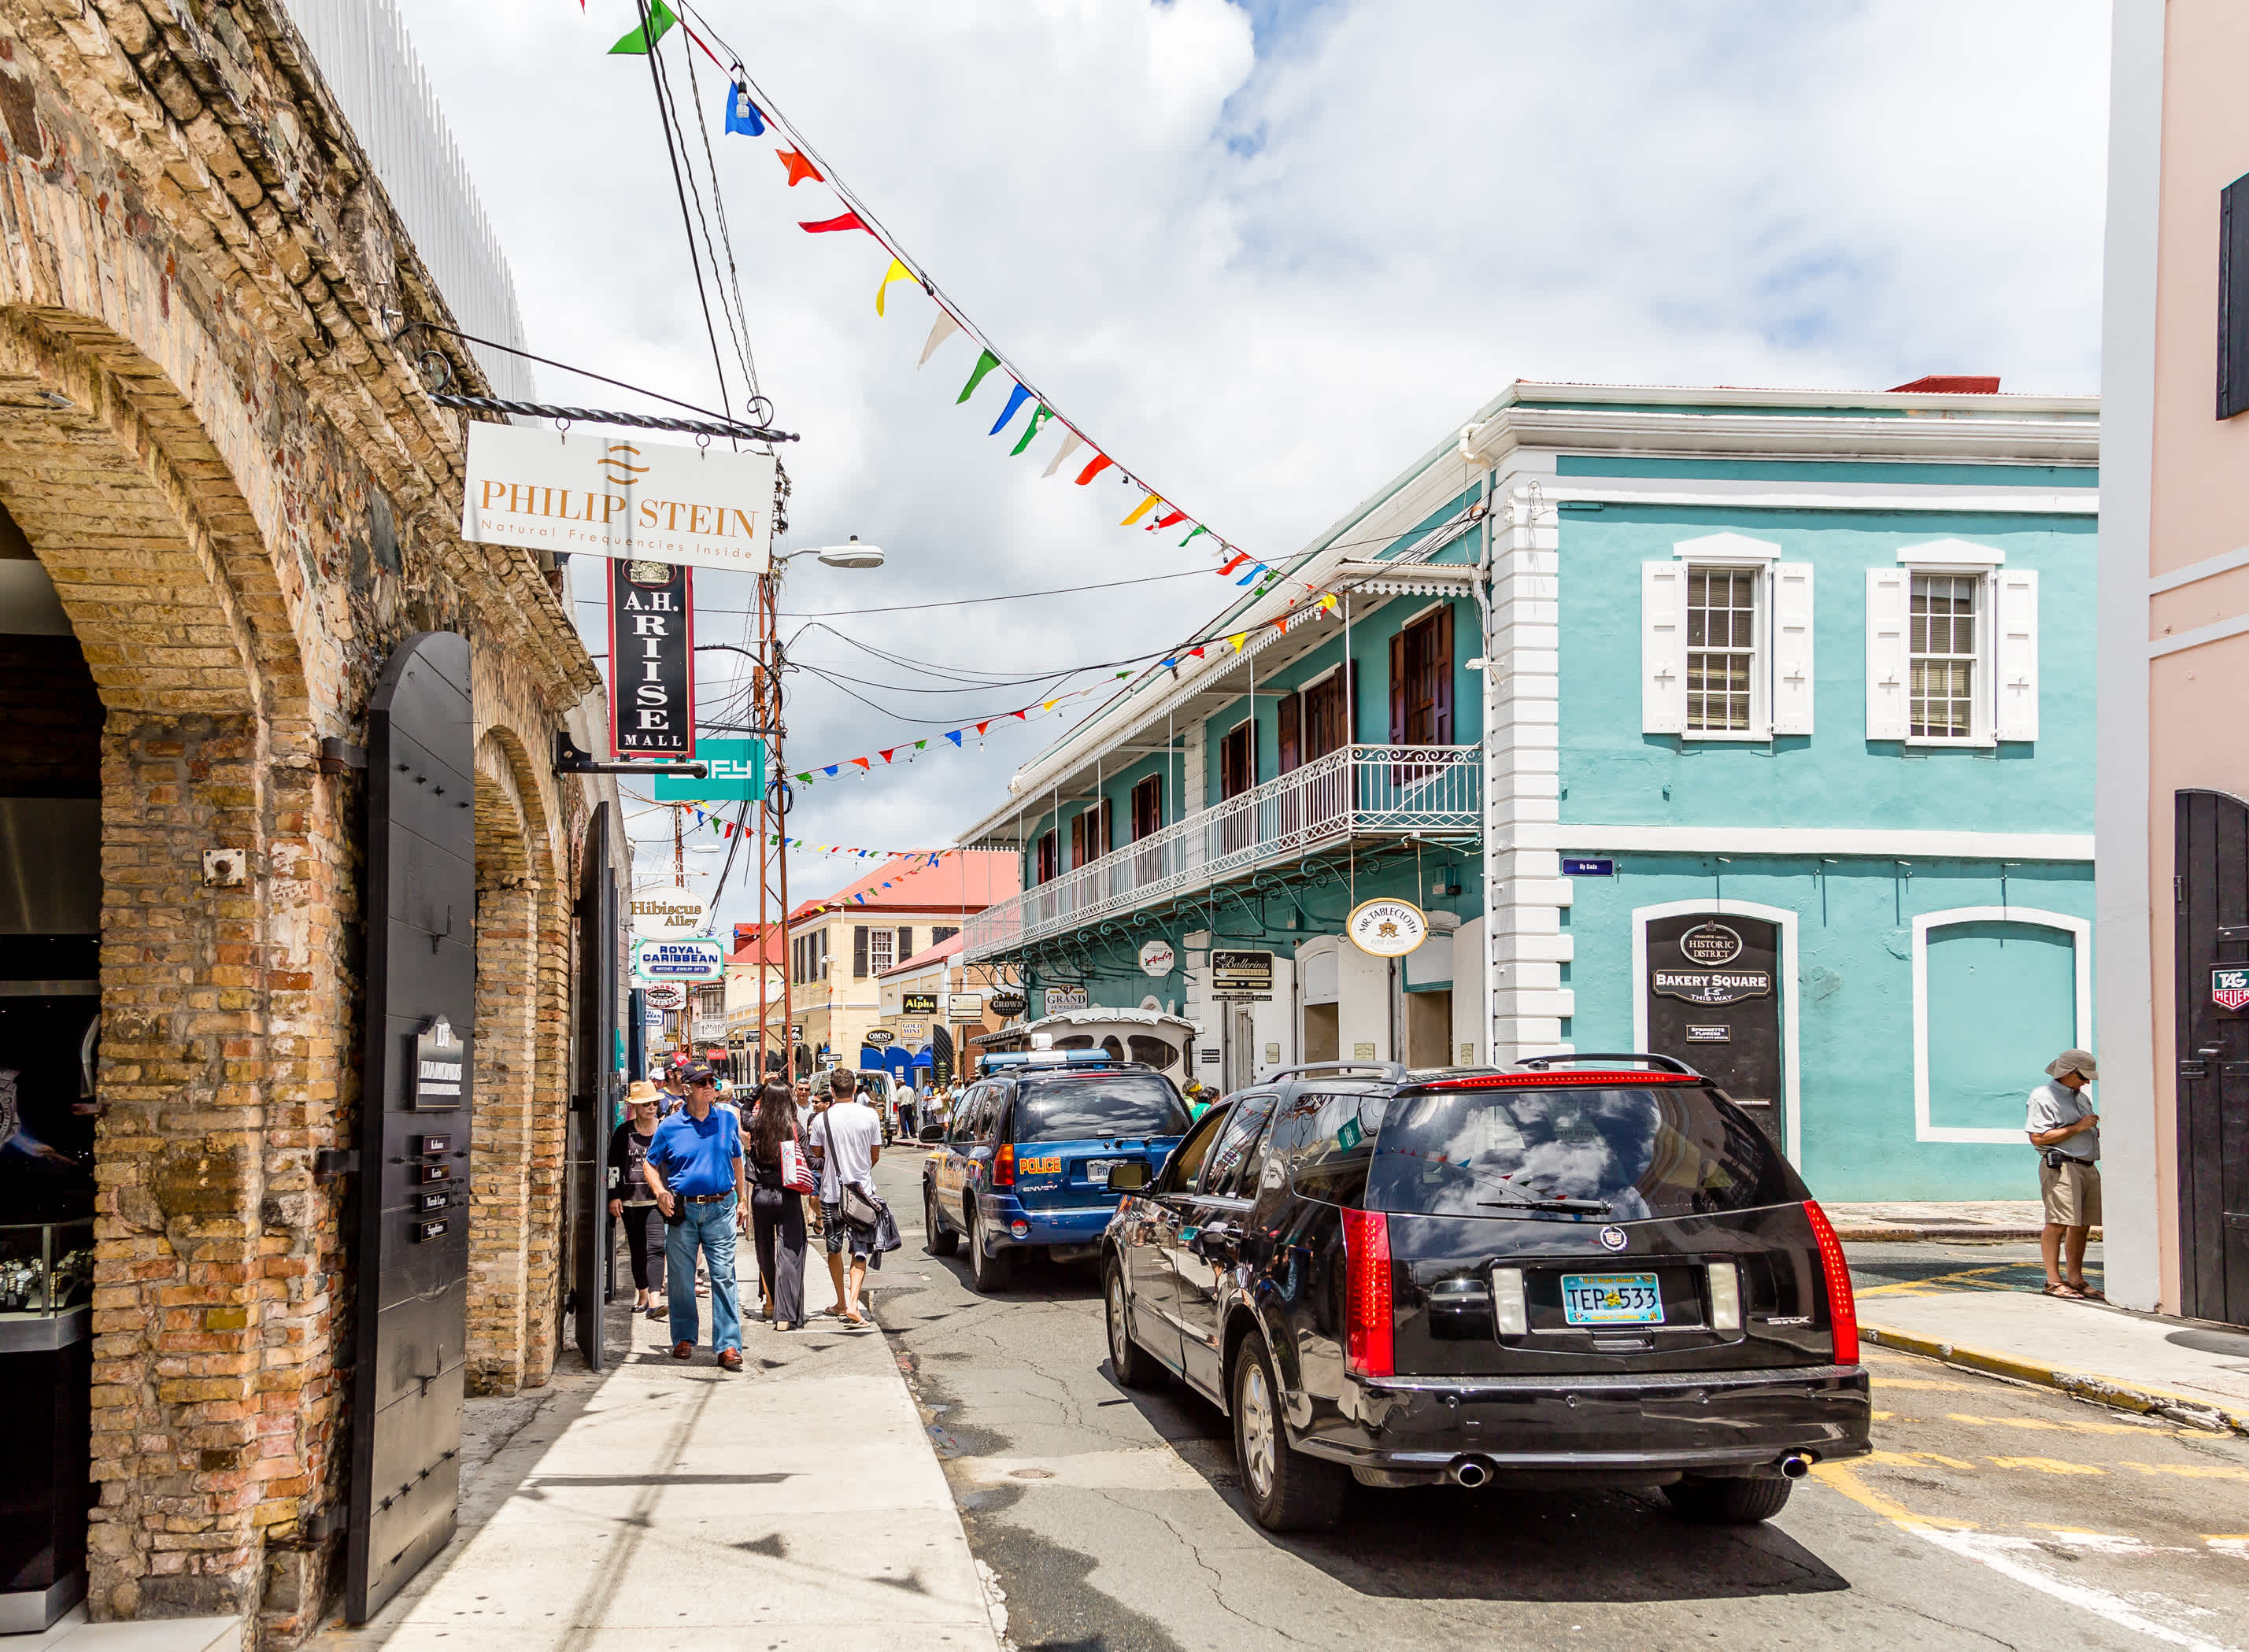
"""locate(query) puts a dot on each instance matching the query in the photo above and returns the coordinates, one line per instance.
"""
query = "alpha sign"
(590, 495)
(918, 1004)
(651, 659)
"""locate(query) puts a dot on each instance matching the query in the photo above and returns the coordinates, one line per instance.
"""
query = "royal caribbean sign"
(585, 495)
(696, 960)
(652, 661)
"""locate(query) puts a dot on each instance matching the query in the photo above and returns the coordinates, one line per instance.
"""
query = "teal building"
(1752, 728)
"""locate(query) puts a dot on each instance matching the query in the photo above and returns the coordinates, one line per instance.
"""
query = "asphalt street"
(1991, 1514)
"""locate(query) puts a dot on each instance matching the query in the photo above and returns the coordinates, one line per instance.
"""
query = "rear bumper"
(1705, 1421)
(1047, 1224)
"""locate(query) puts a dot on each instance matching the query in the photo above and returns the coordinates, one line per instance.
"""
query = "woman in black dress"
(632, 1201)
(776, 1214)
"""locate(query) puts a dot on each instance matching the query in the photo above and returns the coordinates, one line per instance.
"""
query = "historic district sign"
(587, 495)
(1387, 927)
(651, 659)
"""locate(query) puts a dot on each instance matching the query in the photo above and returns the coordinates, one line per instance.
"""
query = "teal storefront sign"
(738, 774)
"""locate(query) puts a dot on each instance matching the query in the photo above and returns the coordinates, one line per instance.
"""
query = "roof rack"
(1394, 1071)
(1660, 1063)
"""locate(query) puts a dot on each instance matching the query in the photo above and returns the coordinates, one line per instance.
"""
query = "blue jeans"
(713, 1227)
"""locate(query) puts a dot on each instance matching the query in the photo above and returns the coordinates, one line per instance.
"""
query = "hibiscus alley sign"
(587, 495)
(661, 914)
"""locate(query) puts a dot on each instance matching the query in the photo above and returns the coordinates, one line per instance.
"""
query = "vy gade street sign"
(587, 495)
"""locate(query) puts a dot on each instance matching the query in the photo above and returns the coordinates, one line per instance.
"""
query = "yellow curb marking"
(2190, 1471)
(2070, 1424)
(1914, 1459)
(2046, 1465)
(1838, 1478)
(1921, 1382)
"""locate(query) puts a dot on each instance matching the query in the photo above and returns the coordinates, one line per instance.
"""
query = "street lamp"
(850, 554)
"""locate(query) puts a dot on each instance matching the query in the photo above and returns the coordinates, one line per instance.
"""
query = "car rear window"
(1652, 1150)
(1098, 1104)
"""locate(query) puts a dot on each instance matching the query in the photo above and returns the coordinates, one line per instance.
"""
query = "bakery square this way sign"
(585, 495)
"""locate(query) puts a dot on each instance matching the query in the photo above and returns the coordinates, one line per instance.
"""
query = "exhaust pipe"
(1472, 1472)
(1796, 1465)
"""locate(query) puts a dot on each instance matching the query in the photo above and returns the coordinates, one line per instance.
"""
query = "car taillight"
(1842, 1308)
(1003, 1165)
(1366, 1293)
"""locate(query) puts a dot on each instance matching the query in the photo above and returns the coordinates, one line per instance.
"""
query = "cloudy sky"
(1265, 253)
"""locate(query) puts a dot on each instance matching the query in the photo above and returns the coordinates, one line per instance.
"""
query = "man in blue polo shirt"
(695, 1168)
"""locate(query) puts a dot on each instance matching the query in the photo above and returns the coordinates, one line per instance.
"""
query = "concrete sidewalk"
(1973, 1220)
(2178, 1368)
(668, 1505)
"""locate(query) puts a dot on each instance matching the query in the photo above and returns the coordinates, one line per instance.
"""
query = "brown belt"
(707, 1198)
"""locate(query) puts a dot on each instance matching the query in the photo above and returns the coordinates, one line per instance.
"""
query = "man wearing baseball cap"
(696, 1169)
(2066, 1131)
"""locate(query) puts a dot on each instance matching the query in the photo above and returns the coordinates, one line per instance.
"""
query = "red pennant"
(864, 763)
(983, 725)
(1240, 558)
(1095, 468)
(886, 756)
(1175, 517)
(849, 221)
(1020, 717)
(798, 168)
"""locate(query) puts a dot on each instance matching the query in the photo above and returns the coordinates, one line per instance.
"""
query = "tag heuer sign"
(1008, 1001)
(918, 1004)
(1241, 972)
(1710, 944)
(441, 1067)
(1712, 986)
(1387, 927)
(2229, 988)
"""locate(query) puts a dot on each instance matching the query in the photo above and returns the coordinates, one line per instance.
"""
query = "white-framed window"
(881, 948)
(1726, 641)
(1951, 648)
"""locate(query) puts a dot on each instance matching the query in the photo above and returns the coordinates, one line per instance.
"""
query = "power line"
(671, 154)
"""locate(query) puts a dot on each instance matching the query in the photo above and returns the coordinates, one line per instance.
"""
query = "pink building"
(2173, 670)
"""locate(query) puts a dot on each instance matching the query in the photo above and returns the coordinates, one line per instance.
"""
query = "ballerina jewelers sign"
(581, 494)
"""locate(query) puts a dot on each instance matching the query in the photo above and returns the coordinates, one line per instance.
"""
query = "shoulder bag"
(795, 1169)
(859, 1205)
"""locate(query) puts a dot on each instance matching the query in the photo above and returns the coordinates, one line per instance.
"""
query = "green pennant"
(985, 363)
(636, 43)
(1038, 418)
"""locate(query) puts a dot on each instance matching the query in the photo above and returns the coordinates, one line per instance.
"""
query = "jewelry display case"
(46, 1374)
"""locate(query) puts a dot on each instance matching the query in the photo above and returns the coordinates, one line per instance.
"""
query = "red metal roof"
(1953, 384)
(928, 955)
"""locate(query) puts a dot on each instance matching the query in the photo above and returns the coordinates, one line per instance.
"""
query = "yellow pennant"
(1237, 640)
(1329, 602)
(1140, 509)
(897, 272)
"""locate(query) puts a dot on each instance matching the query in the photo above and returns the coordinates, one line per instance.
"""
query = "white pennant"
(1070, 444)
(943, 328)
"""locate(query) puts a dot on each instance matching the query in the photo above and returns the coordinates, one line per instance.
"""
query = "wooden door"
(2212, 973)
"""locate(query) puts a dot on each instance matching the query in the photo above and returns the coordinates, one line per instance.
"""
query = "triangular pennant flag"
(864, 763)
(985, 363)
(1170, 520)
(1189, 540)
(636, 43)
(983, 725)
(1022, 716)
(1049, 705)
(941, 329)
(886, 756)
(742, 116)
(1100, 463)
(806, 779)
(1237, 640)
(1040, 415)
(1016, 397)
(921, 745)
(848, 221)
(800, 169)
(1140, 509)
(1070, 444)
(897, 272)
(832, 768)
(1329, 602)
(1240, 558)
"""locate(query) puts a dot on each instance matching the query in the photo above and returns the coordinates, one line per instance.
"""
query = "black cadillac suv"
(1586, 1271)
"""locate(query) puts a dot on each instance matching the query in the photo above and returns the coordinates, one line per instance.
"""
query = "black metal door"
(591, 1102)
(1713, 993)
(412, 1264)
(2212, 961)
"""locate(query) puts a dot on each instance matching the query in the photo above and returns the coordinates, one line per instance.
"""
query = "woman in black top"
(777, 1214)
(629, 1198)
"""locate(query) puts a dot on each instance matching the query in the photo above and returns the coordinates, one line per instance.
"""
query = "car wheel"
(988, 1270)
(1288, 1491)
(936, 1237)
(1132, 1364)
(1743, 1502)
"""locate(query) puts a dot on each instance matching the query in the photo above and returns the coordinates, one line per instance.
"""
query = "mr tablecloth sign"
(588, 495)
(651, 659)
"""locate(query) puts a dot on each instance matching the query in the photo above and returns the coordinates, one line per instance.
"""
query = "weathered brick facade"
(245, 502)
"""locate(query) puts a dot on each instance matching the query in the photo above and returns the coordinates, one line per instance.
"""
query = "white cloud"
(1269, 280)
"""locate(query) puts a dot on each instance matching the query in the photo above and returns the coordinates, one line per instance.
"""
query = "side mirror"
(932, 1133)
(1129, 1178)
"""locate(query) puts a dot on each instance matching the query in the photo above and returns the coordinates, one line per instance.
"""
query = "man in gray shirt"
(2066, 1131)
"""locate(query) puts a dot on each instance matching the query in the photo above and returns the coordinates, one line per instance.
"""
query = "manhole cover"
(1030, 1474)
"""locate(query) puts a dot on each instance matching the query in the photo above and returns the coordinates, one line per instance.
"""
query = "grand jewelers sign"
(587, 495)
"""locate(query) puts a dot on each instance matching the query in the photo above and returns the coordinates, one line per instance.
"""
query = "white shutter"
(1887, 665)
(1791, 648)
(2014, 632)
(1663, 648)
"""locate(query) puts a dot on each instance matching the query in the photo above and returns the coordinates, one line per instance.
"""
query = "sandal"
(2068, 1292)
(2088, 1291)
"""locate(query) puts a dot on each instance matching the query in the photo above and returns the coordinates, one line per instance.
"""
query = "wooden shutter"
(1398, 689)
(1791, 648)
(1108, 825)
(859, 950)
(1889, 666)
(1077, 856)
(1663, 648)
(905, 945)
(2014, 632)
(2233, 299)
(1441, 675)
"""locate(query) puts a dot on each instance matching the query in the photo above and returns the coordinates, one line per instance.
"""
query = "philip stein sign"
(587, 495)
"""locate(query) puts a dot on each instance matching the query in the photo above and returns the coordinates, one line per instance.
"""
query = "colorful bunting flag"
(847, 220)
(897, 272)
(800, 170)
(943, 328)
(1140, 509)
(743, 116)
(1070, 444)
(1101, 462)
(1170, 520)
(1040, 415)
(636, 43)
(1016, 397)
(985, 363)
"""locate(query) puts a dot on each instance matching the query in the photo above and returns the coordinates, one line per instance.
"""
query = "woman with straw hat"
(630, 1199)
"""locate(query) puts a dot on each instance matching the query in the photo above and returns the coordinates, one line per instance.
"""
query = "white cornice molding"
(1905, 843)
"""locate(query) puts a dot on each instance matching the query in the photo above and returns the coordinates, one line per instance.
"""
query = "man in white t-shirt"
(847, 1137)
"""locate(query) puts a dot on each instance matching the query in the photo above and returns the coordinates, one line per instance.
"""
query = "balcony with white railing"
(1355, 792)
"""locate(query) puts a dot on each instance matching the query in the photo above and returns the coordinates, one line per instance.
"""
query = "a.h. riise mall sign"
(585, 495)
